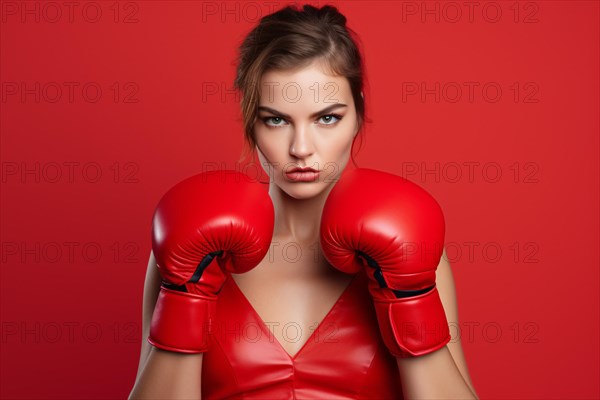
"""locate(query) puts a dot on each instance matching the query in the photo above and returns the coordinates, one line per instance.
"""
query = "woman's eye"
(330, 119)
(276, 121)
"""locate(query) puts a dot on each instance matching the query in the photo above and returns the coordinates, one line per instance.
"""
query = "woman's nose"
(302, 144)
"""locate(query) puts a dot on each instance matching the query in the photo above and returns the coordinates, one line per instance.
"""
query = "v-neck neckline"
(314, 332)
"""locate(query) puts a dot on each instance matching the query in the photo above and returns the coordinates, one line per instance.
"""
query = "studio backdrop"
(492, 106)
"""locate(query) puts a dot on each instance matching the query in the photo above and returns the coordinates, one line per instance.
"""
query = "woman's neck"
(297, 220)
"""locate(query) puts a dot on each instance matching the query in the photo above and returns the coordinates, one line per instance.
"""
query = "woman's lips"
(302, 176)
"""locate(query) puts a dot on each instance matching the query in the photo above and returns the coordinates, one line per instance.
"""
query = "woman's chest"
(289, 304)
(342, 357)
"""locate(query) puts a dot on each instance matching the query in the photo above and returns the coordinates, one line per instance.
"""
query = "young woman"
(292, 325)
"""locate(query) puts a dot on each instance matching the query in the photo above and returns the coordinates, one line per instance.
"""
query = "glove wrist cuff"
(413, 326)
(182, 321)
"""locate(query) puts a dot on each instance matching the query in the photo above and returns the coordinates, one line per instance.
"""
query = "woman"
(301, 76)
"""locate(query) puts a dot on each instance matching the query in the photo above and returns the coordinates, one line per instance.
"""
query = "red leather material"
(175, 323)
(204, 227)
(395, 230)
(344, 358)
(216, 210)
(413, 326)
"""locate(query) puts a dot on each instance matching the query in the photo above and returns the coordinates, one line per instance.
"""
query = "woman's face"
(306, 119)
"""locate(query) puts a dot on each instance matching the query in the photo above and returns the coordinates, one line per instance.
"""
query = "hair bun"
(334, 15)
(328, 14)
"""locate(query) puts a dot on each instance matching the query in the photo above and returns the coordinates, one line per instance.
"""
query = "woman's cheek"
(337, 148)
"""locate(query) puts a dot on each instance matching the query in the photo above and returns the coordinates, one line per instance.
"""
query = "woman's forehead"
(308, 84)
(315, 71)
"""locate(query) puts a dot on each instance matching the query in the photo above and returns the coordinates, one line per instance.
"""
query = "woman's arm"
(169, 375)
(433, 376)
(163, 374)
(442, 374)
(151, 290)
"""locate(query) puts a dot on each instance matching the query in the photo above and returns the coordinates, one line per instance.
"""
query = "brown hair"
(292, 38)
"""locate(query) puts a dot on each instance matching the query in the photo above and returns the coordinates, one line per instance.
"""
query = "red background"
(516, 174)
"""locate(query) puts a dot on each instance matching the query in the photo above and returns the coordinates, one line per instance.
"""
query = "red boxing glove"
(395, 229)
(217, 215)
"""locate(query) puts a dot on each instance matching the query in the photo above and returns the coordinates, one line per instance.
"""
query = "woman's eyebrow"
(323, 111)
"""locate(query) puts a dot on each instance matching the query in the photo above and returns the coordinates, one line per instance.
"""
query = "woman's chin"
(304, 190)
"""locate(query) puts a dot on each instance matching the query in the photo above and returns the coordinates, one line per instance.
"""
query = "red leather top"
(344, 358)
